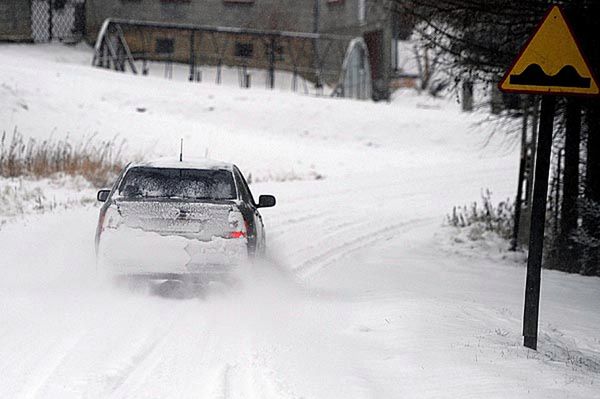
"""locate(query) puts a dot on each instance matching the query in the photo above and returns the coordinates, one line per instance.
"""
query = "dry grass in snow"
(98, 161)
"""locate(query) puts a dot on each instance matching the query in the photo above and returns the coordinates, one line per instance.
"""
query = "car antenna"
(181, 151)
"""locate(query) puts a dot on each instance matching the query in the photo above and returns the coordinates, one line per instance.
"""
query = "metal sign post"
(538, 221)
(551, 63)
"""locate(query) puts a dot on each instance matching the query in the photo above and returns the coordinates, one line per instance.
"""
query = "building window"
(165, 46)
(244, 50)
(335, 2)
(362, 11)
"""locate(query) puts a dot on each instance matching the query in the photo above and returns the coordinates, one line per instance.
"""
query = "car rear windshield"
(145, 182)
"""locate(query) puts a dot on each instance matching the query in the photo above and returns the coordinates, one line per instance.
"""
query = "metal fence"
(322, 60)
(57, 19)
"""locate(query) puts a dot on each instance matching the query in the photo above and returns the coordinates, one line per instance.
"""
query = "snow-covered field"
(362, 295)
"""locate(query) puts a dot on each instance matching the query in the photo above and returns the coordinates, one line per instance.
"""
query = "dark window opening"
(244, 50)
(165, 46)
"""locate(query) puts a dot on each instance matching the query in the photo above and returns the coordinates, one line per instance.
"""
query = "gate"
(57, 19)
(355, 79)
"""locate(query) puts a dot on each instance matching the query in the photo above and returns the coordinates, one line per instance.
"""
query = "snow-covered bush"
(96, 160)
(480, 218)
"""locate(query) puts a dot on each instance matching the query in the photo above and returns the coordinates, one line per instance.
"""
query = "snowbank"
(24, 196)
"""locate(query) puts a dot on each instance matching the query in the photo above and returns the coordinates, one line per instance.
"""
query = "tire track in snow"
(251, 379)
(294, 219)
(330, 232)
(135, 361)
(308, 241)
(313, 264)
(245, 372)
(226, 387)
(50, 365)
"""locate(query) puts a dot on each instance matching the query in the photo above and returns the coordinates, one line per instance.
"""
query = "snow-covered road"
(359, 301)
(360, 297)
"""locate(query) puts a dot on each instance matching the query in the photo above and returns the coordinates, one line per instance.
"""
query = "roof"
(187, 163)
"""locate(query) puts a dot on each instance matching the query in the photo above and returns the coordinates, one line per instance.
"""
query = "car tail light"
(238, 227)
(237, 234)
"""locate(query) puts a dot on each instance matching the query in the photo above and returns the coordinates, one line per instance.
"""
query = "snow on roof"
(187, 163)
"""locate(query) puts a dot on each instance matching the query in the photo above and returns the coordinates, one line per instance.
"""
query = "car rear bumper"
(136, 252)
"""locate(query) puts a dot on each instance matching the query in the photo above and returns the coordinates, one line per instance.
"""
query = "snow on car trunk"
(202, 220)
(176, 237)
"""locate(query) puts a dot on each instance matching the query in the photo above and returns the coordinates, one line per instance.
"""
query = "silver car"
(169, 220)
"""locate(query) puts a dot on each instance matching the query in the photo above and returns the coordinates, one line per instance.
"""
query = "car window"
(145, 182)
(244, 189)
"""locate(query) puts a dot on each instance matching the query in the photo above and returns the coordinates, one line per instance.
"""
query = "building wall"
(15, 20)
(292, 15)
(334, 17)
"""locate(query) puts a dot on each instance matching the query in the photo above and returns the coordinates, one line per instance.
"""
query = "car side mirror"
(102, 195)
(266, 201)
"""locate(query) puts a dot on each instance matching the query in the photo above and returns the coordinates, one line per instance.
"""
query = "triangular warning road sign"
(551, 62)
